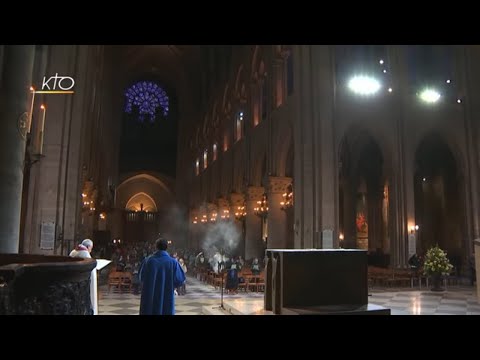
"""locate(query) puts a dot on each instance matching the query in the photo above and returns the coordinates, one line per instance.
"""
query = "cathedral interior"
(238, 149)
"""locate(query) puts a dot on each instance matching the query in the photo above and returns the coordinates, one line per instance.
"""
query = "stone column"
(253, 224)
(277, 219)
(304, 163)
(326, 169)
(471, 76)
(279, 86)
(402, 194)
(14, 106)
(237, 201)
(349, 210)
(117, 224)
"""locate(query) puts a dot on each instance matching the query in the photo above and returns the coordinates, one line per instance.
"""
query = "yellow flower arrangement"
(436, 262)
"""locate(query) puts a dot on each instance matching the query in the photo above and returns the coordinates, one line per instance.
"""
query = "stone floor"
(198, 295)
(458, 300)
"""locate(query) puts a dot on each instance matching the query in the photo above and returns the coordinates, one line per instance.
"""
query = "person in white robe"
(83, 251)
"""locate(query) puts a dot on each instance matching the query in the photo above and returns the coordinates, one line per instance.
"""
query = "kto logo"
(57, 85)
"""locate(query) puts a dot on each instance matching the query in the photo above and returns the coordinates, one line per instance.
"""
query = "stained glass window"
(148, 99)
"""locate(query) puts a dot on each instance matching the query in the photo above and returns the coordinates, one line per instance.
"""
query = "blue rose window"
(147, 98)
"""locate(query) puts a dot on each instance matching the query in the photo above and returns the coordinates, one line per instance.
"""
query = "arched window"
(239, 126)
(225, 141)
(146, 98)
(197, 167)
(205, 159)
(214, 153)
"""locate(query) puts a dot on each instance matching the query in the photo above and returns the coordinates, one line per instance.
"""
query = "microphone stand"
(221, 270)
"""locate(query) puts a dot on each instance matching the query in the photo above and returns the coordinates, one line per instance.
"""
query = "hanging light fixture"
(262, 207)
(287, 201)
(240, 212)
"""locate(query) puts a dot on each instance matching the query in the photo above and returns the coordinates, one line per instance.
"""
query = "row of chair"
(120, 280)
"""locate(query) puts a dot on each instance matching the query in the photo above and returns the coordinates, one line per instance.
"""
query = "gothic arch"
(258, 65)
(225, 100)
(141, 201)
(355, 135)
(450, 142)
(440, 197)
(238, 81)
(363, 192)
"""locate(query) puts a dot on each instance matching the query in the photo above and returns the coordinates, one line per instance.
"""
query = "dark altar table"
(318, 281)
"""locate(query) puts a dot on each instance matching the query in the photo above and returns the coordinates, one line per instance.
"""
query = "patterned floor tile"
(459, 300)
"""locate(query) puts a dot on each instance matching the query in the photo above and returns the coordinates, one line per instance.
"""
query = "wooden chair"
(261, 282)
(114, 279)
(126, 280)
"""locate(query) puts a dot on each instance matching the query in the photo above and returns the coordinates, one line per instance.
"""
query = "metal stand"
(221, 270)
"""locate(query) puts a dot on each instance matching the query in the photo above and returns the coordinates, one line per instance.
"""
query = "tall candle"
(42, 129)
(29, 125)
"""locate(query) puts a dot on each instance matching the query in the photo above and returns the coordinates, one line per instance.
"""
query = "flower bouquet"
(436, 262)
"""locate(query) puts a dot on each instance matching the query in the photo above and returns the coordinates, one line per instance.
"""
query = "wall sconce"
(240, 213)
(262, 207)
(287, 201)
(213, 217)
(226, 214)
(413, 228)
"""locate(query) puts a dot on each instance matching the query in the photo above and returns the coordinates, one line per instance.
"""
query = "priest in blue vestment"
(160, 274)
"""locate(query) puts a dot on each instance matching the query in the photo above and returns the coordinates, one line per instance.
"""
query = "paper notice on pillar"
(47, 235)
(327, 239)
(412, 245)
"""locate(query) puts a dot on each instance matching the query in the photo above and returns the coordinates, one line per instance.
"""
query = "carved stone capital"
(211, 207)
(222, 203)
(254, 193)
(236, 199)
(278, 184)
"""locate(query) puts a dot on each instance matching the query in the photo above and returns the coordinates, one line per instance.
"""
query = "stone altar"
(44, 285)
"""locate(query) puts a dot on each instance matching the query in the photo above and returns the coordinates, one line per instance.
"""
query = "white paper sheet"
(101, 263)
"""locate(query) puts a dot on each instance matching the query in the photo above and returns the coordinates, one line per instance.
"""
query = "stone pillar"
(402, 195)
(304, 163)
(471, 77)
(349, 210)
(117, 224)
(279, 86)
(14, 106)
(253, 224)
(277, 218)
(238, 201)
(326, 169)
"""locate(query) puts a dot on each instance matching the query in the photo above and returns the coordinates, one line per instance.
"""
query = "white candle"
(29, 125)
(42, 129)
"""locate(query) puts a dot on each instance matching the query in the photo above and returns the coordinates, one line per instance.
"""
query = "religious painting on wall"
(361, 222)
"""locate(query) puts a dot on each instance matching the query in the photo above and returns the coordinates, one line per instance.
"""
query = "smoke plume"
(222, 236)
